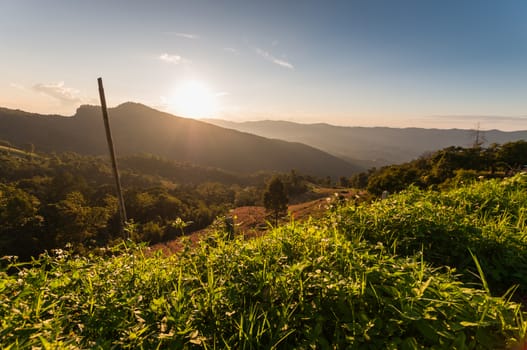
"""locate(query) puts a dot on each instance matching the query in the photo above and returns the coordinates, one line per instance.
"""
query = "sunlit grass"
(486, 217)
(328, 283)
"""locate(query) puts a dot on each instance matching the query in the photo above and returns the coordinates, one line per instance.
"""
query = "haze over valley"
(375, 146)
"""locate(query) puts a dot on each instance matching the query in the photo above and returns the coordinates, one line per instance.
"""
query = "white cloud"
(60, 92)
(174, 59)
(273, 59)
(184, 35)
(187, 35)
(191, 36)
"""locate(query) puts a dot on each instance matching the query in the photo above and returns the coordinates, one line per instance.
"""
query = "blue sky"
(371, 62)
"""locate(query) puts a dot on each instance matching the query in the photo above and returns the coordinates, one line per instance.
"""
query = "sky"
(399, 63)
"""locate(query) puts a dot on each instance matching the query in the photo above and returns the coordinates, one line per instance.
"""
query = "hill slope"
(380, 144)
(373, 276)
(139, 129)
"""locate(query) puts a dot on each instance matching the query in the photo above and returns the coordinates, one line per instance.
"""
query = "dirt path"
(251, 221)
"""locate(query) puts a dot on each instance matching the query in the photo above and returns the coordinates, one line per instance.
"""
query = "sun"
(193, 99)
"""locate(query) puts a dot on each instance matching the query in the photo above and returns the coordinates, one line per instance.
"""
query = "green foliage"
(513, 154)
(301, 286)
(294, 183)
(247, 196)
(20, 221)
(394, 178)
(487, 218)
(446, 168)
(51, 200)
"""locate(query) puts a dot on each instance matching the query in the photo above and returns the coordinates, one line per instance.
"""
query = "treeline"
(50, 200)
(447, 167)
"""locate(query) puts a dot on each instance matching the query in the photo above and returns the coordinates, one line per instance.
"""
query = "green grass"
(487, 218)
(329, 283)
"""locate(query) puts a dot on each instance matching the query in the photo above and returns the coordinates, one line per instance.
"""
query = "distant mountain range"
(139, 129)
(370, 146)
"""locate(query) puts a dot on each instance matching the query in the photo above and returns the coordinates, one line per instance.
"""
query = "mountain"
(370, 146)
(139, 129)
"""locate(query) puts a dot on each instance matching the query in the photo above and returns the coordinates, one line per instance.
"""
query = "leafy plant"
(486, 217)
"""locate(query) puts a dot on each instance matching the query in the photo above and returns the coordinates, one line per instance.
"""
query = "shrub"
(487, 218)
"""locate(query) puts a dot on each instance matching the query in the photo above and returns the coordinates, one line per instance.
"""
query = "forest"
(50, 200)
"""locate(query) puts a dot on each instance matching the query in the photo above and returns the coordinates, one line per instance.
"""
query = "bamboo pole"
(122, 210)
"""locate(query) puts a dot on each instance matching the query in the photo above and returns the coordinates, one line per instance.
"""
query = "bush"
(487, 218)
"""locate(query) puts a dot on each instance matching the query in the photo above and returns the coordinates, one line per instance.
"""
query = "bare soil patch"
(251, 221)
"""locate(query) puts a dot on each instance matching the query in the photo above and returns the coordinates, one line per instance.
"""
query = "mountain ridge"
(370, 146)
(138, 128)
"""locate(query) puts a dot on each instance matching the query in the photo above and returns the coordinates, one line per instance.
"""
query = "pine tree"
(275, 199)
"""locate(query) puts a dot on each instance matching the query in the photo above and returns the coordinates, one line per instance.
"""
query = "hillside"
(403, 273)
(53, 200)
(370, 146)
(139, 129)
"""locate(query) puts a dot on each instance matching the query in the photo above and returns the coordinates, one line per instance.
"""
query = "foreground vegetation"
(396, 274)
(487, 218)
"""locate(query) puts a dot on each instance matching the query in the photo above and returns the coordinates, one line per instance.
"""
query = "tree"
(275, 199)
(514, 154)
(344, 182)
(75, 221)
(20, 222)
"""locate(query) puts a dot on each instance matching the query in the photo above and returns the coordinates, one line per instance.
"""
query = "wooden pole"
(122, 210)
